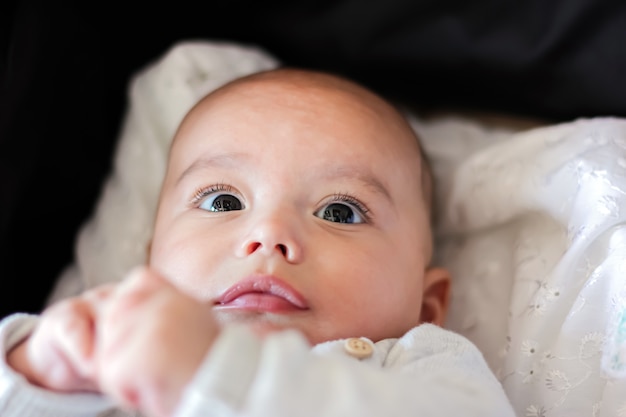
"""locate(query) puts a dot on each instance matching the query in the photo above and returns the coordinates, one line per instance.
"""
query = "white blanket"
(533, 231)
(531, 226)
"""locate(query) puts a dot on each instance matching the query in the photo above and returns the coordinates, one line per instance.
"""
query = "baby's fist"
(151, 340)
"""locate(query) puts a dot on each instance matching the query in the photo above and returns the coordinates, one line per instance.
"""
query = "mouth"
(262, 294)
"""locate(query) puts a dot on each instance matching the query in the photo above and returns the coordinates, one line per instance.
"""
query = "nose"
(273, 235)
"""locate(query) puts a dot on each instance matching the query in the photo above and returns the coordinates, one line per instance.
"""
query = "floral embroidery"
(538, 308)
(535, 411)
(531, 374)
(545, 294)
(557, 381)
(591, 345)
(609, 206)
(552, 293)
(529, 347)
(547, 355)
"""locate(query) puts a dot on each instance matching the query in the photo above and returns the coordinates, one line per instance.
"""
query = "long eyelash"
(347, 198)
(205, 191)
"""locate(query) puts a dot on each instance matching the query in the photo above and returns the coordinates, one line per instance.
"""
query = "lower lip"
(261, 303)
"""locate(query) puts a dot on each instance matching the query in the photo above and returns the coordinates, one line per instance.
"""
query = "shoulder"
(431, 345)
(432, 338)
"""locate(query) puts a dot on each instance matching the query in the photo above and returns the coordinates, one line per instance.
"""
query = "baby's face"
(288, 205)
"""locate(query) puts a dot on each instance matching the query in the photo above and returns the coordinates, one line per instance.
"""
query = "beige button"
(359, 348)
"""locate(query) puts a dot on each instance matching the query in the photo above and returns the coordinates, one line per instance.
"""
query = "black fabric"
(54, 145)
(64, 68)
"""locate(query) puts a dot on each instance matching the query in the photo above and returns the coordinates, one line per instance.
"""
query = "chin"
(264, 329)
(261, 324)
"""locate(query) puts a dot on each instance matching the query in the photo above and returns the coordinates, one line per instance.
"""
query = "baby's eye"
(221, 202)
(340, 213)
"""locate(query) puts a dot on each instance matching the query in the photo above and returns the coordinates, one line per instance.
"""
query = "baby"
(289, 274)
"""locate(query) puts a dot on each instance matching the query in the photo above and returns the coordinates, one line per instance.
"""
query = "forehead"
(295, 108)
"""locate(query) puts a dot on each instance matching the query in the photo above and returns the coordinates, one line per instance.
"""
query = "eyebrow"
(325, 171)
(226, 160)
(329, 171)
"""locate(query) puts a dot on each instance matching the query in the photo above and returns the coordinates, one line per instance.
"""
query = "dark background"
(64, 68)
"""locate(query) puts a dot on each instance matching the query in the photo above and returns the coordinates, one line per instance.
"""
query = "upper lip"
(263, 284)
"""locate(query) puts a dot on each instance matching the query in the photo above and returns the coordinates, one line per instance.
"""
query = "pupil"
(226, 203)
(338, 213)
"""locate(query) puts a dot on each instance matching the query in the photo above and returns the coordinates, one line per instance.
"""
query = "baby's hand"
(151, 340)
(59, 354)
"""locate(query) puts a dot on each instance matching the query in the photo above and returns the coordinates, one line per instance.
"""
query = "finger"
(77, 336)
(98, 298)
(99, 293)
(124, 308)
(62, 346)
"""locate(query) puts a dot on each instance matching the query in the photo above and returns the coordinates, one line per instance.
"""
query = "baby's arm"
(19, 398)
(60, 353)
(138, 342)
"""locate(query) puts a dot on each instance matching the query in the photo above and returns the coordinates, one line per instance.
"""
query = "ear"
(436, 296)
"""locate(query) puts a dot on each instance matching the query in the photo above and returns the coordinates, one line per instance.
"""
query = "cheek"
(187, 258)
(371, 291)
(366, 272)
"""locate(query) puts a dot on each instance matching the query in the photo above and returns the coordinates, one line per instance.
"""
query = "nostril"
(253, 247)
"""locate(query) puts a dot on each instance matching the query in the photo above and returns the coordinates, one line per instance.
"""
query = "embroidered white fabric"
(532, 226)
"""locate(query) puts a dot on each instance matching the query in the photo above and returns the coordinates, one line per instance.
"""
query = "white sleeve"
(18, 398)
(427, 372)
